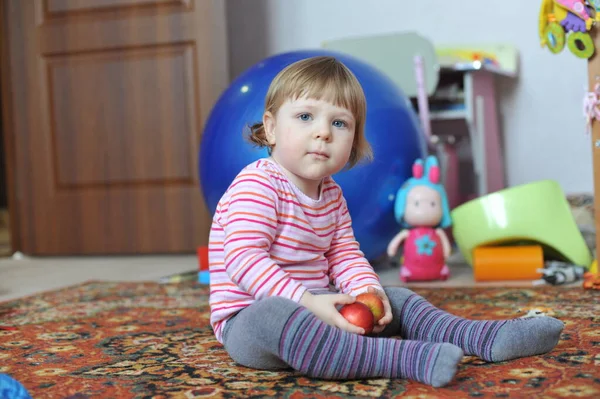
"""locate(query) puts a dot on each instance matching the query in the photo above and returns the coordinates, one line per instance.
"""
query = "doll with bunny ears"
(421, 208)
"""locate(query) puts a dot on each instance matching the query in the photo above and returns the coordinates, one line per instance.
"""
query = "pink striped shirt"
(268, 238)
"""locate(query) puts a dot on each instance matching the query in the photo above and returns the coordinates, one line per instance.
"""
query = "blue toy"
(422, 211)
(392, 128)
(12, 389)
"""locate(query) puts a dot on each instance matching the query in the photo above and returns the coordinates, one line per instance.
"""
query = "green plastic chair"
(394, 54)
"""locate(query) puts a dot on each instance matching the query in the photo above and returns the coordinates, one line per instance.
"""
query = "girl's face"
(311, 139)
(423, 207)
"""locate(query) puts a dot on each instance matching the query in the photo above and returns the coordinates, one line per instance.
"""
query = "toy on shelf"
(568, 21)
(421, 208)
(500, 58)
(458, 56)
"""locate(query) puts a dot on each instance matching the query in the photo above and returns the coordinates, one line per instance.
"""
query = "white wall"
(544, 128)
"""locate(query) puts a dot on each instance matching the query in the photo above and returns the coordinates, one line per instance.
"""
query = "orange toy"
(591, 281)
(508, 263)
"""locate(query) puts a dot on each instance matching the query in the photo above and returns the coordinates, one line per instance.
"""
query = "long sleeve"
(249, 223)
(350, 271)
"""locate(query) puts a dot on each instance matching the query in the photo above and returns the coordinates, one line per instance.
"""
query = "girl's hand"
(387, 316)
(323, 306)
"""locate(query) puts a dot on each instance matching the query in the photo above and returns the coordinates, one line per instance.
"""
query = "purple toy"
(572, 23)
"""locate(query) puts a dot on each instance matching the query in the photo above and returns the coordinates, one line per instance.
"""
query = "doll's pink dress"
(423, 256)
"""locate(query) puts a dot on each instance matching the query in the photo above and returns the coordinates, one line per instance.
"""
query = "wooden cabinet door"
(104, 104)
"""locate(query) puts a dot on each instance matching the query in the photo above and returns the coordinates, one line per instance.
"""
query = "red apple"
(374, 303)
(360, 315)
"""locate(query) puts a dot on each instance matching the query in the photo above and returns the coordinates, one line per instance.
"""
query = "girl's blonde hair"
(319, 78)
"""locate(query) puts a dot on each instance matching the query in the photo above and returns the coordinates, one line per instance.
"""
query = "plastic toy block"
(204, 277)
(202, 258)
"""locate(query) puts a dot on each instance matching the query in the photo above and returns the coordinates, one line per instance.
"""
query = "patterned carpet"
(129, 340)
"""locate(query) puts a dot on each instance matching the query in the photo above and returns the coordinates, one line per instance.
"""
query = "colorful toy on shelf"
(421, 208)
(568, 21)
(500, 58)
(460, 56)
(536, 311)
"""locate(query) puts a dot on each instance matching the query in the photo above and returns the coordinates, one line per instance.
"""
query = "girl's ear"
(269, 126)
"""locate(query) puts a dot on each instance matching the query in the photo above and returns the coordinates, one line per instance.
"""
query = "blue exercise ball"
(392, 128)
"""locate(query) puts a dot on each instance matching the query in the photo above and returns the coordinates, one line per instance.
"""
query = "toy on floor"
(591, 279)
(203, 272)
(421, 208)
(507, 262)
(559, 273)
(571, 20)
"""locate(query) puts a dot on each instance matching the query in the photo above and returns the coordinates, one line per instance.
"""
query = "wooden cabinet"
(103, 106)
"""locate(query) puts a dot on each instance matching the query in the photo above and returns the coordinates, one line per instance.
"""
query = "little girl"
(283, 257)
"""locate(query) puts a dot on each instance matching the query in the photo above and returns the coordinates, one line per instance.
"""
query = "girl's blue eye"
(339, 124)
(304, 117)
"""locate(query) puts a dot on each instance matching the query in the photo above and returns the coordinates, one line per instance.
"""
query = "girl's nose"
(323, 132)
